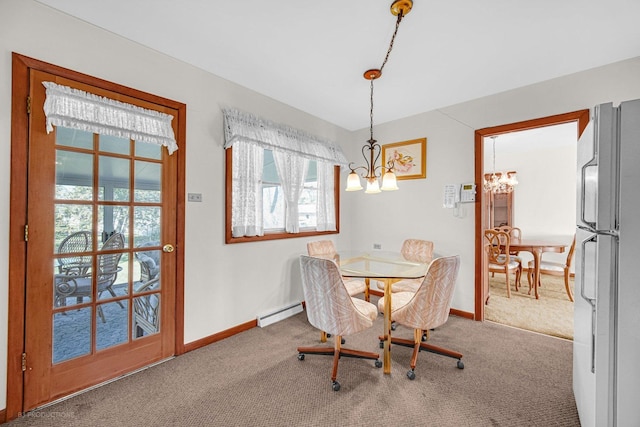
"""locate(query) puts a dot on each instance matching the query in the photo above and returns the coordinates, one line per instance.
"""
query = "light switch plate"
(194, 197)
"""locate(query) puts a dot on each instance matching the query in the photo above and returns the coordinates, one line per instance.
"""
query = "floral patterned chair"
(330, 308)
(426, 308)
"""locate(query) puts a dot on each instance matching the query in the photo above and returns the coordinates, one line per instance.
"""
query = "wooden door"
(101, 274)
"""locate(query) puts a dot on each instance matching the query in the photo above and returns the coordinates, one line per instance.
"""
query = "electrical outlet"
(377, 246)
(194, 197)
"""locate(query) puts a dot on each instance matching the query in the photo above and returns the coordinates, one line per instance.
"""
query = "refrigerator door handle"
(591, 301)
(583, 176)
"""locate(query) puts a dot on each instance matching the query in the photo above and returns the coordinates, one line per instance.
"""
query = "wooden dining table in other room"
(536, 248)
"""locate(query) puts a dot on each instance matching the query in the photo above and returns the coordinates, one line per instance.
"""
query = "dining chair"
(326, 249)
(555, 269)
(426, 309)
(499, 257)
(514, 234)
(330, 308)
(412, 250)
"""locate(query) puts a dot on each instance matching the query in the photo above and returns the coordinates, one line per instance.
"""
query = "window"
(273, 204)
(280, 182)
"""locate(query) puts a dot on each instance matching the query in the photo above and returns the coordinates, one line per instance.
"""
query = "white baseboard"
(278, 315)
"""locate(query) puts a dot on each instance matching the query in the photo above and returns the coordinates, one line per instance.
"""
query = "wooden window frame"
(271, 235)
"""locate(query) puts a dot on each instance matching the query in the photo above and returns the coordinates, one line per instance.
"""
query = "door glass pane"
(146, 315)
(71, 334)
(72, 283)
(148, 268)
(113, 179)
(146, 226)
(112, 275)
(112, 324)
(147, 182)
(146, 149)
(114, 144)
(74, 138)
(113, 219)
(74, 175)
(69, 220)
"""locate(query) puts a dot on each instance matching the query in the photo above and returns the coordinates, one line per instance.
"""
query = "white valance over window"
(76, 109)
(245, 127)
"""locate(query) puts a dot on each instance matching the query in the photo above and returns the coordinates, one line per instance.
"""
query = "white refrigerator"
(606, 344)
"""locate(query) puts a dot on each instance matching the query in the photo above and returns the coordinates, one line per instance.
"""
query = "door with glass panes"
(100, 281)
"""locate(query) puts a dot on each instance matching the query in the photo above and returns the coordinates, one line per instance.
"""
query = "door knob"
(168, 248)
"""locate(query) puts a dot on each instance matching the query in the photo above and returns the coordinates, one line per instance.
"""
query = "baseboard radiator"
(278, 315)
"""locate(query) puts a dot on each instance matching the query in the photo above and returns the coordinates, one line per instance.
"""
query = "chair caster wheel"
(424, 337)
(328, 335)
(411, 375)
(393, 326)
(381, 344)
(342, 341)
(335, 386)
(378, 364)
(460, 365)
(300, 356)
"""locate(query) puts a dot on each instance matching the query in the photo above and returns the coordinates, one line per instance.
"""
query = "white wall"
(220, 291)
(416, 209)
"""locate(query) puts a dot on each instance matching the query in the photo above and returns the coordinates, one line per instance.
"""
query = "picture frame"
(409, 158)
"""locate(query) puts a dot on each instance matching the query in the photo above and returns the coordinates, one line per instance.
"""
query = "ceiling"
(312, 55)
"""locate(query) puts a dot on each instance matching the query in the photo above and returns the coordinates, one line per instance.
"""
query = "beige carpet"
(552, 314)
(511, 378)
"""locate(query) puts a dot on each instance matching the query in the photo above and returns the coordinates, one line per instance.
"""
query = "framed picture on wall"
(409, 158)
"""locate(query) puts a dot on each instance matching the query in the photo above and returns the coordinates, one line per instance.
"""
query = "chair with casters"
(326, 249)
(80, 285)
(499, 257)
(330, 308)
(426, 309)
(555, 269)
(413, 250)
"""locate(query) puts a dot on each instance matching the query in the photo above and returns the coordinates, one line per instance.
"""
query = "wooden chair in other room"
(499, 258)
(426, 309)
(555, 269)
(330, 308)
(514, 234)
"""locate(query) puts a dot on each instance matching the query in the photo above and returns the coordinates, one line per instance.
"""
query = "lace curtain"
(246, 203)
(292, 171)
(292, 148)
(325, 207)
(241, 126)
(76, 109)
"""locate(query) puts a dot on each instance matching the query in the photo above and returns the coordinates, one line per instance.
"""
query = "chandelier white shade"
(499, 182)
(371, 150)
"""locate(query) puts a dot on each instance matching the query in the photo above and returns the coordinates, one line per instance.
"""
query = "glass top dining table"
(387, 267)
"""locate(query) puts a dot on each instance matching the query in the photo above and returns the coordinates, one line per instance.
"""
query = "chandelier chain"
(386, 58)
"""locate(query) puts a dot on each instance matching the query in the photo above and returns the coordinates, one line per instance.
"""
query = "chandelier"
(371, 150)
(499, 182)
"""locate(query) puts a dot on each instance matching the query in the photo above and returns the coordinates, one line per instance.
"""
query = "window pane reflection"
(74, 138)
(147, 182)
(74, 175)
(71, 334)
(112, 324)
(114, 179)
